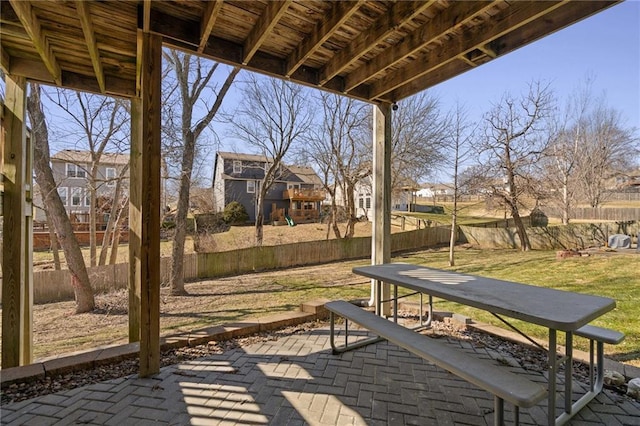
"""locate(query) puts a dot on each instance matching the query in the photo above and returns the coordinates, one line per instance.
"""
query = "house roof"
(84, 157)
(376, 51)
(242, 157)
(303, 174)
(306, 174)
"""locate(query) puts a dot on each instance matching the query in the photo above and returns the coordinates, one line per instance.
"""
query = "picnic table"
(559, 311)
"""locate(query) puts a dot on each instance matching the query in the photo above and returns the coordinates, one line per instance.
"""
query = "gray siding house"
(296, 193)
(71, 171)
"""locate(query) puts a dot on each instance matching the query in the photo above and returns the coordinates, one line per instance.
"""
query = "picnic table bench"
(503, 384)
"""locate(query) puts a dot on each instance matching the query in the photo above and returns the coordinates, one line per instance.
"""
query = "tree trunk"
(260, 215)
(452, 240)
(114, 215)
(351, 212)
(93, 238)
(177, 269)
(525, 245)
(53, 242)
(44, 177)
(123, 213)
(565, 202)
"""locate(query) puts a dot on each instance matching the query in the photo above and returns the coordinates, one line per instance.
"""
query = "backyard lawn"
(211, 302)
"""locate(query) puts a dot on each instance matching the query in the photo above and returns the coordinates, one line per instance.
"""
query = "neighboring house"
(627, 182)
(436, 190)
(71, 172)
(363, 196)
(297, 191)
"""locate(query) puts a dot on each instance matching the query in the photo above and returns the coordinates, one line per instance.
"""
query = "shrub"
(235, 214)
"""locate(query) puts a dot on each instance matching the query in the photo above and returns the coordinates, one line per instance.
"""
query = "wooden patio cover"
(375, 51)
(379, 51)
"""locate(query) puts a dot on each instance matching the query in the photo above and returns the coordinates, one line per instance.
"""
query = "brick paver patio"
(296, 380)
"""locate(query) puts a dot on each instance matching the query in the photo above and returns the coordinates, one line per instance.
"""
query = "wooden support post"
(144, 206)
(17, 289)
(381, 241)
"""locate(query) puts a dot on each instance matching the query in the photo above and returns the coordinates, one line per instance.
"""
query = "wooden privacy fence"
(53, 286)
(576, 236)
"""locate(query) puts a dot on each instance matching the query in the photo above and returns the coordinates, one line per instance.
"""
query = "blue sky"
(605, 46)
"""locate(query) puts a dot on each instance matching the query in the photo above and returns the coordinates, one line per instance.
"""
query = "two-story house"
(296, 193)
(72, 172)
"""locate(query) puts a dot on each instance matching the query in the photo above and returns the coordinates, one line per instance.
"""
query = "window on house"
(361, 203)
(251, 186)
(87, 198)
(110, 175)
(76, 197)
(368, 202)
(74, 170)
(63, 193)
(237, 166)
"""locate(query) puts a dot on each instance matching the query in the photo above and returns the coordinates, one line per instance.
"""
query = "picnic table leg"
(553, 365)
(498, 411)
(568, 372)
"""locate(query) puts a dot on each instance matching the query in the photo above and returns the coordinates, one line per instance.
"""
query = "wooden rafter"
(211, 12)
(561, 17)
(5, 60)
(262, 28)
(340, 12)
(508, 20)
(458, 14)
(31, 24)
(488, 51)
(146, 15)
(87, 28)
(385, 25)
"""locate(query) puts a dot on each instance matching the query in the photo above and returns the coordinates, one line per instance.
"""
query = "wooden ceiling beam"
(31, 24)
(385, 25)
(340, 12)
(87, 28)
(231, 53)
(31, 70)
(146, 15)
(549, 23)
(456, 15)
(211, 13)
(488, 51)
(5, 61)
(36, 71)
(262, 28)
(510, 19)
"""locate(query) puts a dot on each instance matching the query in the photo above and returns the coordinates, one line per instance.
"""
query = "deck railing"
(304, 194)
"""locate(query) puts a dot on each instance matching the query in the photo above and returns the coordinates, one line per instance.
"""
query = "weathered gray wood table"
(554, 309)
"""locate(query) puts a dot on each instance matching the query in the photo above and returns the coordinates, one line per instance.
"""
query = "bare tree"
(515, 138)
(607, 147)
(459, 144)
(272, 117)
(117, 207)
(562, 162)
(340, 150)
(98, 124)
(418, 139)
(193, 78)
(44, 177)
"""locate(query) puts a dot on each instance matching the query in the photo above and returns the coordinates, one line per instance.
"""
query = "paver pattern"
(296, 380)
